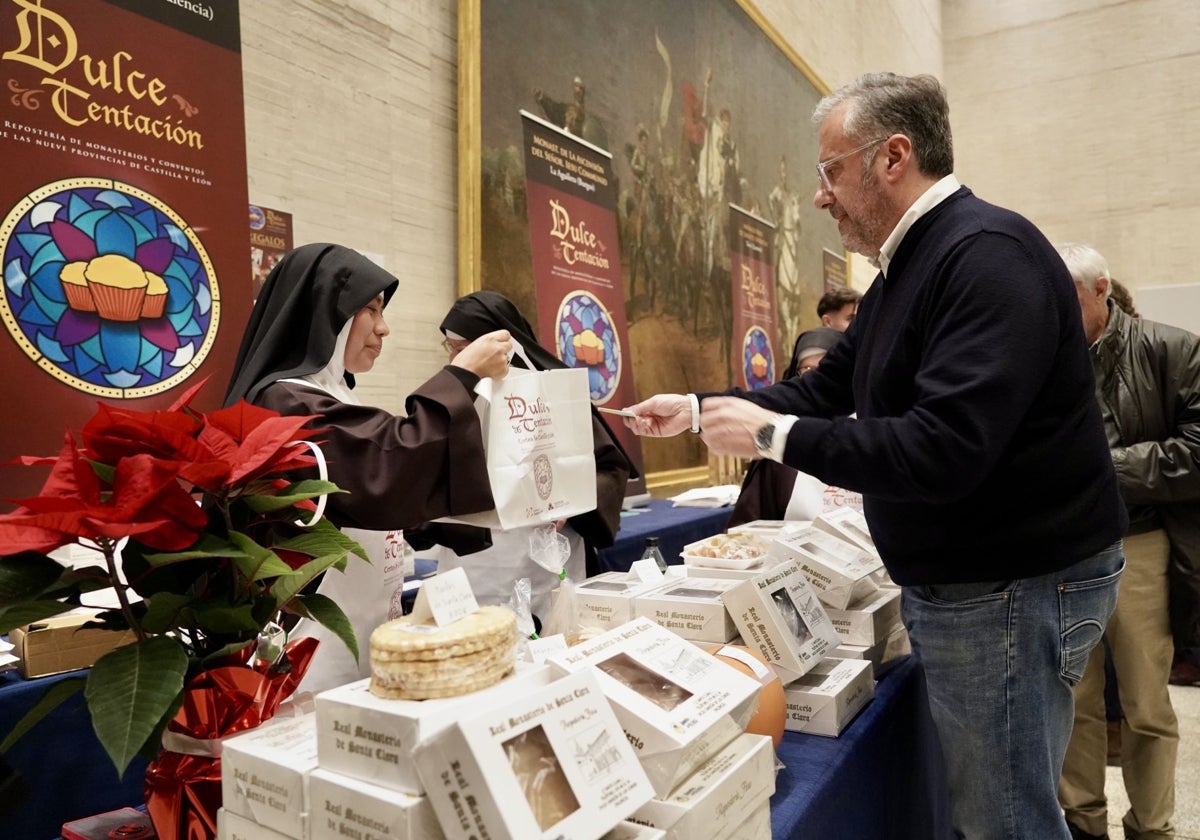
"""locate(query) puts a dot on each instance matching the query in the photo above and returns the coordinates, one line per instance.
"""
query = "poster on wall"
(577, 266)
(270, 239)
(753, 293)
(833, 270)
(122, 232)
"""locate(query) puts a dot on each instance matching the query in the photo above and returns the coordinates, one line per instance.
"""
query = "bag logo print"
(543, 476)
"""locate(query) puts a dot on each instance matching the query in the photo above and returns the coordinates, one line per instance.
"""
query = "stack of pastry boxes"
(635, 735)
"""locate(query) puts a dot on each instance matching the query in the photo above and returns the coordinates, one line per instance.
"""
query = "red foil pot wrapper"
(183, 789)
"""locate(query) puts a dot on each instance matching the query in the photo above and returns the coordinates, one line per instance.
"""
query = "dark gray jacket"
(1148, 384)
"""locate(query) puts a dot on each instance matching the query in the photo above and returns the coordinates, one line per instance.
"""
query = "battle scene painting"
(699, 108)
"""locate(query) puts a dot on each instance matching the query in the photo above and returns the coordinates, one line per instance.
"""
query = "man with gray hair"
(1148, 388)
(978, 446)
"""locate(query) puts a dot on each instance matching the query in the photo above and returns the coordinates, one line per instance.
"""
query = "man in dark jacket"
(978, 446)
(1148, 387)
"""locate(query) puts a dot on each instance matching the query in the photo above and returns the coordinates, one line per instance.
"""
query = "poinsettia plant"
(205, 537)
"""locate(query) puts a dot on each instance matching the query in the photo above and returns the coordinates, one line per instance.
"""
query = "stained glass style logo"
(586, 338)
(106, 288)
(758, 360)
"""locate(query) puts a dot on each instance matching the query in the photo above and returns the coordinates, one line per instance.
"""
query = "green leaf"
(285, 588)
(256, 562)
(163, 611)
(209, 545)
(47, 703)
(298, 492)
(30, 612)
(130, 690)
(321, 539)
(324, 611)
(223, 618)
(26, 575)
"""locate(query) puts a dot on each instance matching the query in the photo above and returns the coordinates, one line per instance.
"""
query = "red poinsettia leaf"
(145, 489)
(31, 461)
(19, 533)
(185, 399)
(262, 445)
(114, 433)
(242, 418)
(72, 477)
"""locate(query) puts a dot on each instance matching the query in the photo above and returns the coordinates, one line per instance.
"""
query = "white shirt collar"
(929, 199)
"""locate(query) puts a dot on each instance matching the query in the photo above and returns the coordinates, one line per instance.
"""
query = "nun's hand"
(486, 356)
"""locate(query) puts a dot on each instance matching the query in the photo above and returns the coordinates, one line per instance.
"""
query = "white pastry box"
(341, 807)
(721, 574)
(882, 655)
(771, 528)
(627, 830)
(757, 827)
(606, 600)
(231, 826)
(677, 704)
(372, 738)
(849, 525)
(551, 764)
(838, 571)
(718, 797)
(779, 615)
(825, 699)
(264, 773)
(870, 619)
(691, 607)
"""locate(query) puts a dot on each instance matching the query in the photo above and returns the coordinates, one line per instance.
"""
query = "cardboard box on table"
(870, 619)
(373, 738)
(724, 792)
(690, 607)
(232, 826)
(882, 655)
(606, 600)
(779, 615)
(264, 773)
(341, 807)
(553, 763)
(678, 705)
(627, 830)
(850, 525)
(825, 699)
(838, 571)
(771, 529)
(61, 643)
(757, 827)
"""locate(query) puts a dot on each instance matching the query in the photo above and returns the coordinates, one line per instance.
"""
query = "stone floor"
(1186, 701)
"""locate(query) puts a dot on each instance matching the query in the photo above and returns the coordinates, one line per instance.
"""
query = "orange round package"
(769, 717)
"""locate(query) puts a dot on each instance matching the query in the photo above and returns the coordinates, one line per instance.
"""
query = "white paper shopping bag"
(537, 437)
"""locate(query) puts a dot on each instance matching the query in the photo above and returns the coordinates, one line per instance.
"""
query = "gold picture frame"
(668, 70)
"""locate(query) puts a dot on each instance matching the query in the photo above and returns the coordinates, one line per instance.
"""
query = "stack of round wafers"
(421, 661)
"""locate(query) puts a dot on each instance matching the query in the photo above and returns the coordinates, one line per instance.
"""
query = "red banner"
(752, 269)
(122, 226)
(577, 265)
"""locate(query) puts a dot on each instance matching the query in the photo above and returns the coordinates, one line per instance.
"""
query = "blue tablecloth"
(675, 527)
(881, 779)
(64, 771)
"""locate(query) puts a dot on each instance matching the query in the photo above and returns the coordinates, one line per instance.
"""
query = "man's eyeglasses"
(824, 165)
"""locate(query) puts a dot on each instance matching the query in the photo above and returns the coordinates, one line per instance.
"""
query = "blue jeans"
(1001, 660)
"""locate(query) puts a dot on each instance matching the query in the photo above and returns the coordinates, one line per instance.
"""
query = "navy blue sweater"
(978, 444)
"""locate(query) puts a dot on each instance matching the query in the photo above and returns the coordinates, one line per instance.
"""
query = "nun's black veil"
(306, 300)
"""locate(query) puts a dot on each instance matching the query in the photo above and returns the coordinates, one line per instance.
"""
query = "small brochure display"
(868, 620)
(264, 773)
(692, 607)
(553, 763)
(342, 807)
(718, 797)
(677, 704)
(606, 600)
(371, 738)
(779, 615)
(839, 571)
(825, 699)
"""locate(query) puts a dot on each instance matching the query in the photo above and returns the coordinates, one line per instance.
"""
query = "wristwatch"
(764, 438)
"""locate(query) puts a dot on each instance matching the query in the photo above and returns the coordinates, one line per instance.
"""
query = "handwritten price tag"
(444, 598)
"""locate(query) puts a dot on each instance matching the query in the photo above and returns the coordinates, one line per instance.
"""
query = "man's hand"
(728, 425)
(663, 415)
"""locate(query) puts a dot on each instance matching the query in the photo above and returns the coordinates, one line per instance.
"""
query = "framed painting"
(701, 105)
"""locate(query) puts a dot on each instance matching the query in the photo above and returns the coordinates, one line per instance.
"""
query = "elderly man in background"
(1148, 387)
(978, 447)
